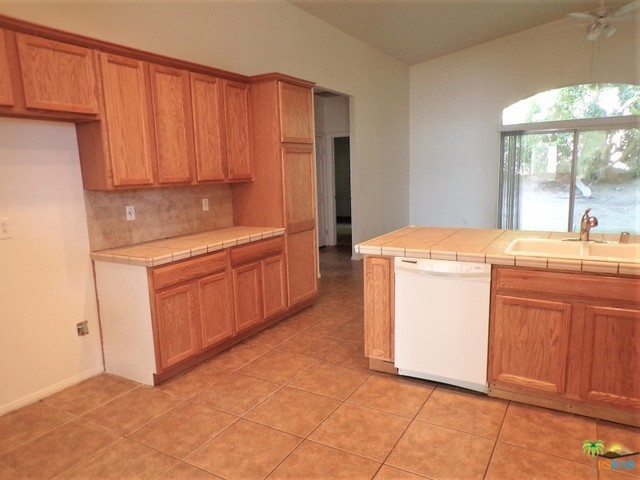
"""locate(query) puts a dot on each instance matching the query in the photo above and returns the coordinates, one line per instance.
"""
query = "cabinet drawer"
(256, 251)
(577, 286)
(188, 270)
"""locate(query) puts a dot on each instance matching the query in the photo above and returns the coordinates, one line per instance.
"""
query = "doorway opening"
(333, 169)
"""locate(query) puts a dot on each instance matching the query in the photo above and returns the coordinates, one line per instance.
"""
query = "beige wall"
(457, 103)
(46, 279)
(242, 36)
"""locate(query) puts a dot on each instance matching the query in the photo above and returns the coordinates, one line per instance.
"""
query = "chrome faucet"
(586, 224)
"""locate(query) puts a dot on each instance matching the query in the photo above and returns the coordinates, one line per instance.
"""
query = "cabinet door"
(236, 106)
(611, 355)
(206, 101)
(173, 124)
(177, 324)
(274, 286)
(216, 310)
(529, 342)
(302, 258)
(295, 114)
(247, 296)
(6, 91)
(299, 188)
(57, 76)
(125, 101)
(378, 307)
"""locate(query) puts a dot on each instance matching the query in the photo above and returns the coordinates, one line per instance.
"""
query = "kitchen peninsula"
(564, 333)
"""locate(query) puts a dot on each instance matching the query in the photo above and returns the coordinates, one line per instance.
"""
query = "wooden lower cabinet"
(531, 340)
(259, 282)
(216, 309)
(178, 324)
(567, 341)
(247, 295)
(302, 266)
(193, 308)
(378, 307)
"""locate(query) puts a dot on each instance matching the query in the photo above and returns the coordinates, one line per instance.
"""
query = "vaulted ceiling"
(414, 31)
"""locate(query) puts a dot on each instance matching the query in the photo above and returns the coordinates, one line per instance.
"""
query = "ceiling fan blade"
(628, 8)
(594, 31)
(582, 16)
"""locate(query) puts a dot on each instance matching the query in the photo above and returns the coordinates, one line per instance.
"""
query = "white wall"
(457, 102)
(46, 279)
(45, 282)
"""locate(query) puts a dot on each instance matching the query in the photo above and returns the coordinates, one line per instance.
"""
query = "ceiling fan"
(600, 20)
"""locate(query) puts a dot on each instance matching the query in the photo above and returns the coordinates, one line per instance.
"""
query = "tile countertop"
(159, 252)
(486, 246)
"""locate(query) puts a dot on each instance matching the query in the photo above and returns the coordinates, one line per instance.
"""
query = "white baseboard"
(50, 390)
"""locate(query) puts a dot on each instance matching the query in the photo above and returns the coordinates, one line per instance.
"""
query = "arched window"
(569, 149)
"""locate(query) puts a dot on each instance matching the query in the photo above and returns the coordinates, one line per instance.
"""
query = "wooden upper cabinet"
(127, 126)
(171, 103)
(57, 76)
(295, 114)
(6, 90)
(208, 121)
(236, 107)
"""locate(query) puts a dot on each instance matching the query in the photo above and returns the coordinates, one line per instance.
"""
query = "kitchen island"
(564, 333)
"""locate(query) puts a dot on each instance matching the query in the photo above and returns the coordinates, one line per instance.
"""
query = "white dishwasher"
(442, 321)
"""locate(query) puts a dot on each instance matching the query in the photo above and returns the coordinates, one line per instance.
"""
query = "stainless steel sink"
(602, 251)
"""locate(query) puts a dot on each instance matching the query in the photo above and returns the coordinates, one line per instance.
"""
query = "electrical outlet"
(82, 328)
(131, 212)
(4, 228)
(205, 204)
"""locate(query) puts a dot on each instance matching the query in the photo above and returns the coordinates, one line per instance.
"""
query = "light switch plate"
(131, 212)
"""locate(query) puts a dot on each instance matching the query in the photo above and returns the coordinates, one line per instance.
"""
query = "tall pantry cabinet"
(283, 191)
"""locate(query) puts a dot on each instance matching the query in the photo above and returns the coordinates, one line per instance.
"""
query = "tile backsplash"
(160, 213)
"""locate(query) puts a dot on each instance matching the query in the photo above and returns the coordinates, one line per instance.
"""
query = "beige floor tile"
(309, 345)
(330, 327)
(349, 354)
(232, 359)
(392, 394)
(278, 367)
(293, 411)
(467, 412)
(547, 431)
(236, 394)
(188, 384)
(441, 453)
(59, 449)
(312, 461)
(391, 473)
(28, 423)
(361, 430)
(245, 451)
(330, 379)
(124, 460)
(180, 431)
(184, 471)
(274, 336)
(90, 394)
(133, 409)
(514, 463)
